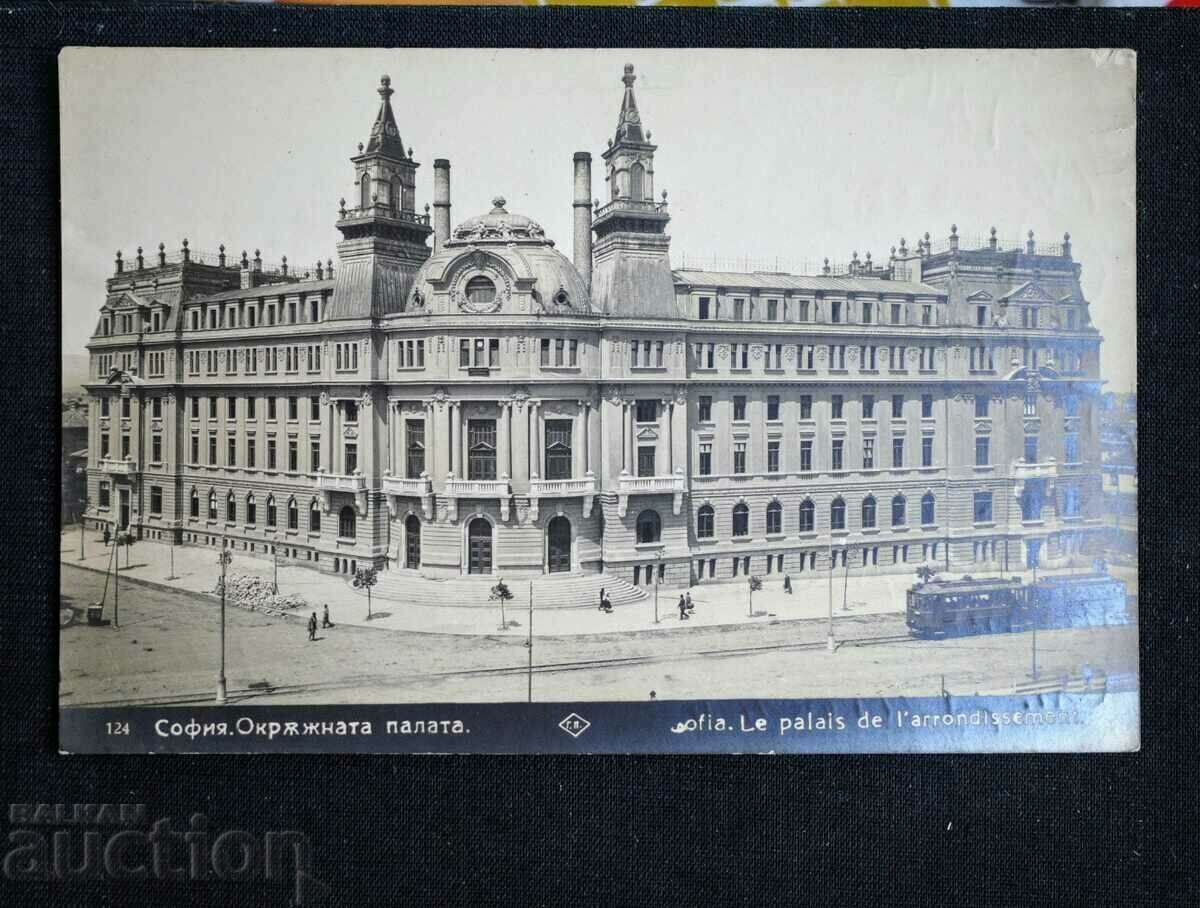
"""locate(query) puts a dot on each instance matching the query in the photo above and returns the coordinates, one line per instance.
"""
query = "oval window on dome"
(481, 291)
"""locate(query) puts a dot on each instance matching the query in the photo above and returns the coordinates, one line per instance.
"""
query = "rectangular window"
(293, 456)
(772, 310)
(868, 358)
(868, 449)
(896, 313)
(927, 315)
(772, 457)
(251, 452)
(806, 446)
(350, 411)
(645, 460)
(806, 406)
(739, 457)
(558, 449)
(981, 406)
(414, 430)
(835, 409)
(926, 406)
(156, 448)
(481, 449)
(125, 448)
(705, 460)
(896, 359)
(251, 408)
(927, 451)
(559, 351)
(835, 312)
(773, 407)
(805, 354)
(545, 352)
(293, 409)
(868, 406)
(231, 451)
(314, 409)
(212, 408)
(739, 310)
(704, 409)
(868, 312)
(572, 352)
(710, 356)
(270, 453)
(802, 311)
(156, 500)
(704, 304)
(104, 404)
(739, 408)
(837, 356)
(125, 407)
(104, 499)
(314, 455)
(646, 411)
(156, 408)
(478, 353)
(897, 406)
(836, 451)
(981, 316)
(982, 450)
(350, 452)
(195, 450)
(212, 450)
(983, 507)
(897, 453)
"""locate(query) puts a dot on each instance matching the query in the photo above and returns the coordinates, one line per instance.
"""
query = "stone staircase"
(550, 591)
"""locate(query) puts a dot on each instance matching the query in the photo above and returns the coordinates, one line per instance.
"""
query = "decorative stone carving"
(852, 355)
(822, 353)
(439, 397)
(756, 351)
(324, 398)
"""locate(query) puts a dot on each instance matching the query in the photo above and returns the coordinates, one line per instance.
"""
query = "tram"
(955, 608)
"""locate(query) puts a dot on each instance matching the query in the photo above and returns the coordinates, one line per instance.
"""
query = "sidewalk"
(196, 571)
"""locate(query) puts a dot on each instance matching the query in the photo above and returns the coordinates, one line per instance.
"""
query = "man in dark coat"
(312, 627)
(325, 622)
(683, 615)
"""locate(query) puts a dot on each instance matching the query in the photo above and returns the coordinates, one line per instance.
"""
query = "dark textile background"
(1095, 830)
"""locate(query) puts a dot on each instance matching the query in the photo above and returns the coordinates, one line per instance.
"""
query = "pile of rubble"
(253, 592)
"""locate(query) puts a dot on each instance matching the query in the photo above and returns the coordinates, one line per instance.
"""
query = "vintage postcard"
(598, 401)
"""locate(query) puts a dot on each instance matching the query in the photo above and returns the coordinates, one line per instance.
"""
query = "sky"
(772, 156)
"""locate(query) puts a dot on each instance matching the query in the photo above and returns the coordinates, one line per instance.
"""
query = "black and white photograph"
(399, 378)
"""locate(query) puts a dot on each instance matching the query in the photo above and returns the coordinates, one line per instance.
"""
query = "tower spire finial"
(385, 134)
(629, 124)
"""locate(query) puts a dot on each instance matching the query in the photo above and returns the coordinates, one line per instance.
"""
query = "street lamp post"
(275, 581)
(116, 556)
(829, 644)
(82, 524)
(223, 559)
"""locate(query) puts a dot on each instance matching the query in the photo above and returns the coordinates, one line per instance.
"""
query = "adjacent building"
(467, 399)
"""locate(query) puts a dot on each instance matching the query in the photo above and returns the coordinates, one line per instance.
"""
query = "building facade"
(468, 400)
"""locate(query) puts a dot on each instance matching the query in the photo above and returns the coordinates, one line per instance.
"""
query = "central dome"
(498, 226)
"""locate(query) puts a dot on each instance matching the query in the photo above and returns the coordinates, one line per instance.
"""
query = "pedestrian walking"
(312, 627)
(107, 536)
(606, 605)
(787, 584)
(688, 599)
(683, 615)
(602, 599)
(325, 622)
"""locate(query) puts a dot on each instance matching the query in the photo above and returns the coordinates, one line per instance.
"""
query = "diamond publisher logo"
(574, 725)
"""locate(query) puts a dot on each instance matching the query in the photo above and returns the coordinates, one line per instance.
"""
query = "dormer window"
(481, 291)
(561, 298)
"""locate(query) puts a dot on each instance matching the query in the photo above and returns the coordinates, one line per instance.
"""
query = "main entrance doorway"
(412, 542)
(558, 545)
(479, 547)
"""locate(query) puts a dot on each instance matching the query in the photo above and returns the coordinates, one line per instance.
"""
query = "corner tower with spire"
(632, 269)
(383, 237)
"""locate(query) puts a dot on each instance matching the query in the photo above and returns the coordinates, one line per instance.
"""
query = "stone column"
(503, 434)
(579, 442)
(327, 431)
(535, 439)
(400, 458)
(431, 466)
(664, 440)
(630, 447)
(587, 437)
(455, 435)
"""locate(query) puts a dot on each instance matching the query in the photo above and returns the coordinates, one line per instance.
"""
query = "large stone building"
(467, 399)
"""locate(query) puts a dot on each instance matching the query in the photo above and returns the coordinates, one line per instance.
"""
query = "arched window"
(365, 198)
(195, 509)
(928, 513)
(807, 516)
(314, 518)
(251, 510)
(637, 180)
(868, 512)
(774, 518)
(899, 511)
(741, 520)
(293, 515)
(230, 509)
(837, 514)
(212, 505)
(347, 523)
(481, 290)
(270, 510)
(649, 527)
(704, 522)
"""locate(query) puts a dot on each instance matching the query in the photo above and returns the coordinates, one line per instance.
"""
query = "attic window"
(481, 291)
(561, 298)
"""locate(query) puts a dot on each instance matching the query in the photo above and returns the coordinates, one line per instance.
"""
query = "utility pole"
(82, 522)
(116, 582)
(529, 641)
(172, 575)
(275, 581)
(224, 558)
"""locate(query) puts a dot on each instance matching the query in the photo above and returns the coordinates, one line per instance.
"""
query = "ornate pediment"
(1029, 292)
(980, 296)
(647, 433)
